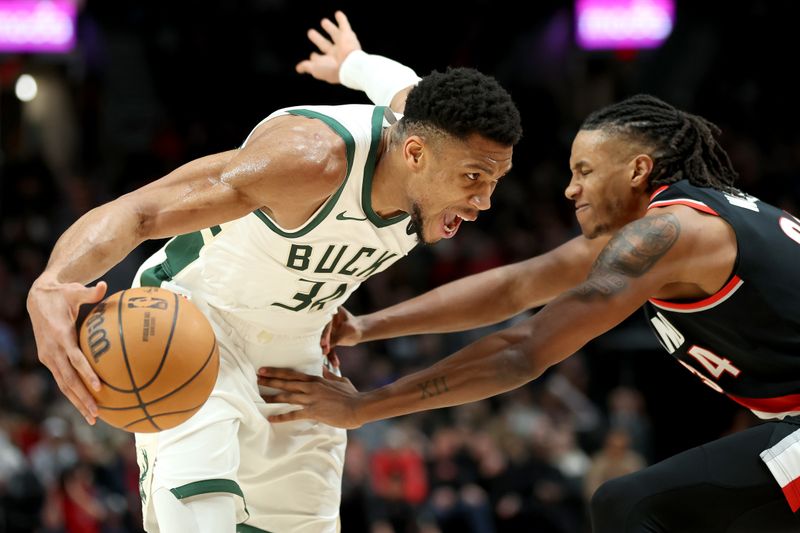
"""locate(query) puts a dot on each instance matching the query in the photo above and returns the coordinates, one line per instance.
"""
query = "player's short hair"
(461, 102)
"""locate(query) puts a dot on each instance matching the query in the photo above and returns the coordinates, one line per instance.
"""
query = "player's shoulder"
(305, 145)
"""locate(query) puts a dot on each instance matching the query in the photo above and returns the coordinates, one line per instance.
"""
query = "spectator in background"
(626, 411)
(399, 480)
(616, 458)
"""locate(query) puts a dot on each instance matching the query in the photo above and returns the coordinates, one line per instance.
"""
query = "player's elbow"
(520, 361)
(139, 217)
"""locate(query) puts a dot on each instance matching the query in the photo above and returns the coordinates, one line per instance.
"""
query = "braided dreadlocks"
(684, 145)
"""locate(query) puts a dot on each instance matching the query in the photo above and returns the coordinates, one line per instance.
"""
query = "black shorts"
(720, 487)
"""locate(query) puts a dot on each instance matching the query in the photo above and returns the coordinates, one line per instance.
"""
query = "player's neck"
(388, 182)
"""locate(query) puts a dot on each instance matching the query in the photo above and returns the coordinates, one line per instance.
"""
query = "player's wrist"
(380, 77)
(45, 284)
(366, 328)
(45, 279)
(359, 406)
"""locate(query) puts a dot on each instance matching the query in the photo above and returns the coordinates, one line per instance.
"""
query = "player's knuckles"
(77, 293)
(61, 330)
(78, 361)
(46, 358)
(72, 382)
(65, 388)
(272, 383)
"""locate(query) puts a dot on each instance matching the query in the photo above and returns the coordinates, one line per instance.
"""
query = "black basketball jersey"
(745, 339)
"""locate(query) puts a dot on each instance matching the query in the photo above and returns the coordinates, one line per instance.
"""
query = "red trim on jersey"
(723, 294)
(792, 494)
(658, 191)
(694, 204)
(779, 404)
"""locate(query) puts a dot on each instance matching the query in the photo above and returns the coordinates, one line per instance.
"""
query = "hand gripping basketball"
(156, 356)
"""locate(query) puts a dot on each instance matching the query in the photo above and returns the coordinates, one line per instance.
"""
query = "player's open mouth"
(451, 224)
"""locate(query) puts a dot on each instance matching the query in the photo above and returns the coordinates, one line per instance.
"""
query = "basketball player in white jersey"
(268, 240)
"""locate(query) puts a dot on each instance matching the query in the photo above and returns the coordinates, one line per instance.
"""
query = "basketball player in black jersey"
(664, 228)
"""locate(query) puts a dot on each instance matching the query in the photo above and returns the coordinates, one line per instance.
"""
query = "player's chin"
(594, 230)
(428, 237)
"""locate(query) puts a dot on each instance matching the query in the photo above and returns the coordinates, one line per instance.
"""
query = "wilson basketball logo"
(97, 334)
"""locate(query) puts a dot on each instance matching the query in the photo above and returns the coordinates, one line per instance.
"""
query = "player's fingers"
(325, 339)
(288, 417)
(96, 293)
(333, 358)
(327, 374)
(76, 403)
(314, 57)
(330, 27)
(80, 294)
(67, 380)
(341, 20)
(284, 373)
(319, 41)
(80, 363)
(303, 67)
(287, 397)
(285, 385)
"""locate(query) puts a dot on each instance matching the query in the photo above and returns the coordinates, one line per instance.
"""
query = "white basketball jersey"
(290, 281)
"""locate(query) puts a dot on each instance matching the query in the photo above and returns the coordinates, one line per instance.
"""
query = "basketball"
(156, 356)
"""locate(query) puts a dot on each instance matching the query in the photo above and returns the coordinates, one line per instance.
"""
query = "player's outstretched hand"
(53, 308)
(344, 329)
(329, 398)
(324, 65)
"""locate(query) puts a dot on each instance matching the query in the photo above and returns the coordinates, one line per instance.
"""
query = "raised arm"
(636, 263)
(205, 192)
(341, 60)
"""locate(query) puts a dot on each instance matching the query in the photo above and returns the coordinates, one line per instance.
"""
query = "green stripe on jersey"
(181, 251)
(350, 147)
(369, 170)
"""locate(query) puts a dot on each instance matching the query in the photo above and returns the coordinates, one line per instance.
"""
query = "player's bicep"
(633, 266)
(637, 261)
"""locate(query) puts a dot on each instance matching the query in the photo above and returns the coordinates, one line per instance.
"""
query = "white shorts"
(783, 461)
(286, 477)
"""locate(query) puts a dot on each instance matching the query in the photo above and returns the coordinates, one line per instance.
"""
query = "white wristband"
(380, 77)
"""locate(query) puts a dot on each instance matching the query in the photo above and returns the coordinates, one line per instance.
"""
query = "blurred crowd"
(146, 90)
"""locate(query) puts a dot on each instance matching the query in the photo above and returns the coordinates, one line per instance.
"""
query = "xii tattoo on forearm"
(433, 387)
(631, 253)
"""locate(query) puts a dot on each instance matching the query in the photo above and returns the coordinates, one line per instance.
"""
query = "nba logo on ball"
(156, 356)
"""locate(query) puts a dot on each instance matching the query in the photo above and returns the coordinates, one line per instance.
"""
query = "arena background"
(151, 85)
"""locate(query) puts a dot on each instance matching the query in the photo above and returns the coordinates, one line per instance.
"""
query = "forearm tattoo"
(631, 253)
(433, 387)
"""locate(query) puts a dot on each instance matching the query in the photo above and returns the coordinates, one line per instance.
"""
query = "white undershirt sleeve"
(380, 77)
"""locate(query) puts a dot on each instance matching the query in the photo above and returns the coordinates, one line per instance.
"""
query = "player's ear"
(413, 151)
(641, 168)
